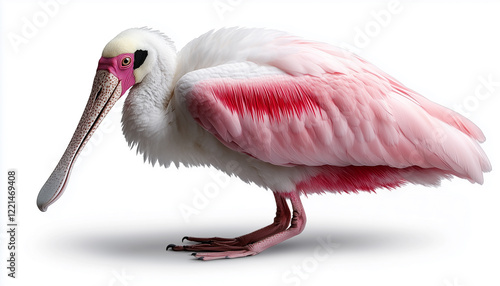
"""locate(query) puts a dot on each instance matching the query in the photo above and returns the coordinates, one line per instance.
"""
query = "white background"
(118, 213)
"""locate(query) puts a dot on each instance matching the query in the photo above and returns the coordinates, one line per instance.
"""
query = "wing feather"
(318, 106)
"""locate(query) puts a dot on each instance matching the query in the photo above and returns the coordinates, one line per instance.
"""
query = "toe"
(205, 256)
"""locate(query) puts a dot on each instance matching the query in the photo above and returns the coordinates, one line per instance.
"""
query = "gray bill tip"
(106, 90)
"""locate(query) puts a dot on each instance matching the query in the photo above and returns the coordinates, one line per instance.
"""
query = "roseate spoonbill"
(295, 116)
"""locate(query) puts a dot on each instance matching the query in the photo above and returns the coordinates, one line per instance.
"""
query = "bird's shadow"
(150, 246)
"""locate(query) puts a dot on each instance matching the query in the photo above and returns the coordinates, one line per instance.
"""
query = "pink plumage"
(288, 114)
(359, 117)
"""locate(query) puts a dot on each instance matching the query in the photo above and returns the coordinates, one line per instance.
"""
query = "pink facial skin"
(122, 67)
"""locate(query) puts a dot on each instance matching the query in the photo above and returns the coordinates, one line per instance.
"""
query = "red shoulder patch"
(275, 97)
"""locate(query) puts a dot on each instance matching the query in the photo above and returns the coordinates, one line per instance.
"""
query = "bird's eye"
(126, 61)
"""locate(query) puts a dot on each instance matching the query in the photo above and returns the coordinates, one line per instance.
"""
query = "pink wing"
(307, 113)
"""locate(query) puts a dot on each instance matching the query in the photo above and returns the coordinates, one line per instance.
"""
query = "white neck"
(152, 121)
(145, 118)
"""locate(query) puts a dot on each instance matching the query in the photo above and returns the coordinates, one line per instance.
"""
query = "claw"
(185, 237)
(170, 246)
(198, 257)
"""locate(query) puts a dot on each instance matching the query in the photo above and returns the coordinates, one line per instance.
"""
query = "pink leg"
(257, 241)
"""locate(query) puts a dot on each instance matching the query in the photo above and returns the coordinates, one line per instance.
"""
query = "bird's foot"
(254, 242)
(209, 244)
(231, 241)
(215, 248)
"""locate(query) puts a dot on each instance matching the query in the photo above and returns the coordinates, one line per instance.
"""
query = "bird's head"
(126, 61)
